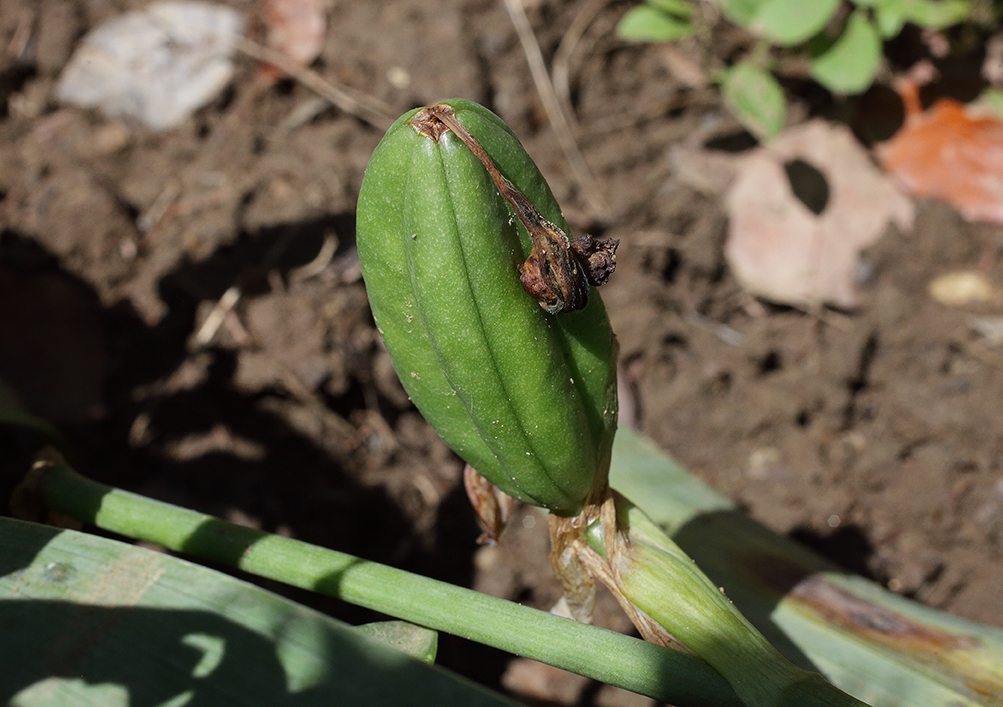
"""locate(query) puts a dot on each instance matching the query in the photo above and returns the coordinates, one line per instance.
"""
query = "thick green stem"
(658, 577)
(593, 652)
(883, 648)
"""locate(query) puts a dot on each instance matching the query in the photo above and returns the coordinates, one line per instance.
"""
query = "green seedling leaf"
(417, 641)
(741, 12)
(932, 14)
(890, 17)
(673, 7)
(645, 23)
(790, 22)
(852, 62)
(756, 99)
(88, 620)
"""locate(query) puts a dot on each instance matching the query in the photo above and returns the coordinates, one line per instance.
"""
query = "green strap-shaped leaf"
(888, 650)
(883, 648)
(416, 641)
(756, 99)
(852, 62)
(678, 678)
(87, 620)
(790, 22)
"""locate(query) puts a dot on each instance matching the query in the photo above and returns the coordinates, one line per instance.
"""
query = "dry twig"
(555, 114)
(367, 108)
(566, 49)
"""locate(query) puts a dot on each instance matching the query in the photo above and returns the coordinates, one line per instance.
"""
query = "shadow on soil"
(124, 418)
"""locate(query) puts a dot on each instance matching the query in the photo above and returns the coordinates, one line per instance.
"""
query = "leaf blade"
(790, 22)
(851, 63)
(741, 12)
(649, 24)
(79, 611)
(756, 99)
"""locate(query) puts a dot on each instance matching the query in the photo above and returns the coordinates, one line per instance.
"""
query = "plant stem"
(883, 648)
(602, 655)
(660, 579)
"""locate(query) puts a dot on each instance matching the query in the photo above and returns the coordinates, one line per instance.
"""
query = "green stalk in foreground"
(654, 574)
(885, 649)
(678, 678)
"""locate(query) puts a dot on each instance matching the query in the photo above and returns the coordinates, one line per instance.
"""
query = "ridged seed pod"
(525, 397)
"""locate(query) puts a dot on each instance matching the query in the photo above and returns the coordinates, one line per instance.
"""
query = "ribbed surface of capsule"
(527, 398)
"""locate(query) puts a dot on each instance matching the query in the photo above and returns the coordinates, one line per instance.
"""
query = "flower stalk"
(647, 569)
(612, 658)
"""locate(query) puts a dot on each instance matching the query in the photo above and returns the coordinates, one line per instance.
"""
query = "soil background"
(873, 435)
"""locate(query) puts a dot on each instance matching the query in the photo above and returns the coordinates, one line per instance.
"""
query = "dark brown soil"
(874, 436)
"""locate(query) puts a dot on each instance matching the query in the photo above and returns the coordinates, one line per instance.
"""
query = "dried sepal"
(492, 505)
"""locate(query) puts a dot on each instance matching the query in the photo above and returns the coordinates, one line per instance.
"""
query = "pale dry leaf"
(155, 65)
(781, 250)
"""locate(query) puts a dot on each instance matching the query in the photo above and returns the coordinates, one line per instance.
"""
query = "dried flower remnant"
(559, 270)
(492, 505)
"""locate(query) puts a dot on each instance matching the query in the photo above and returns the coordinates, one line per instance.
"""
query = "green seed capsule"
(525, 397)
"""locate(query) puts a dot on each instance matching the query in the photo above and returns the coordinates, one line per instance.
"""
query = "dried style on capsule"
(558, 271)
